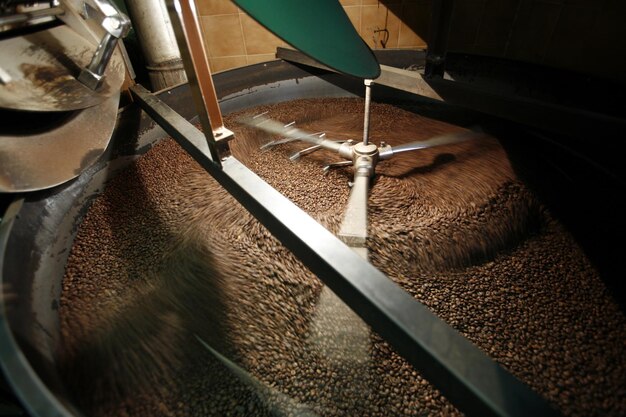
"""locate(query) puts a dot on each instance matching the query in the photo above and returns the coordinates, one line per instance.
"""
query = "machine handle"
(117, 25)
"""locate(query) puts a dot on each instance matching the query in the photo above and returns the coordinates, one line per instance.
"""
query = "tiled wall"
(390, 23)
(233, 39)
(583, 35)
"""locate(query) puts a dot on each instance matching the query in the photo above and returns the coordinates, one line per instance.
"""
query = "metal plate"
(38, 72)
(321, 29)
(32, 161)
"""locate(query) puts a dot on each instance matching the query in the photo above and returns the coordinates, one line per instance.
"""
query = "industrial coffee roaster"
(73, 118)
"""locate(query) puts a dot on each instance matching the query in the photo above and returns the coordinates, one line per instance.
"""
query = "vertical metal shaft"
(366, 118)
(440, 23)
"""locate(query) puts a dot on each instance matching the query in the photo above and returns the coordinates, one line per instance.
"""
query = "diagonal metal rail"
(467, 377)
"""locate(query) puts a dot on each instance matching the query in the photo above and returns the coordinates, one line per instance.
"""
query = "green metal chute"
(318, 28)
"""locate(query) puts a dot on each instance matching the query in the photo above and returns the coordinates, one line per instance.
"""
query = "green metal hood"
(318, 28)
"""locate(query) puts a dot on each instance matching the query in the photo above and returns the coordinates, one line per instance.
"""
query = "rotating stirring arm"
(272, 126)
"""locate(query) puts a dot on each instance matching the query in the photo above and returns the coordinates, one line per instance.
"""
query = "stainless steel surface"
(366, 112)
(339, 164)
(297, 155)
(42, 68)
(14, 364)
(42, 159)
(116, 25)
(353, 229)
(272, 126)
(464, 374)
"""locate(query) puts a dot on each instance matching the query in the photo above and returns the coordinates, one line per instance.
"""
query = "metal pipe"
(158, 42)
(366, 118)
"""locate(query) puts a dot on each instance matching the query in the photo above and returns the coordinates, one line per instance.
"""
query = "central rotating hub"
(361, 149)
(364, 157)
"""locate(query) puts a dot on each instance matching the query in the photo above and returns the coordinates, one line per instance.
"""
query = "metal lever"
(117, 25)
(336, 165)
(276, 142)
(272, 126)
(297, 155)
(282, 141)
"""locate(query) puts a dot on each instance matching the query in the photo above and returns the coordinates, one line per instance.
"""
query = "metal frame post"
(193, 53)
(440, 22)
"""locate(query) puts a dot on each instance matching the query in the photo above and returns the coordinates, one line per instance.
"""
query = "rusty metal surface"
(35, 159)
(39, 72)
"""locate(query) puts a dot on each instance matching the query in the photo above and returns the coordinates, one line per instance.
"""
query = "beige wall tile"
(222, 35)
(350, 2)
(258, 40)
(226, 62)
(214, 7)
(354, 14)
(375, 20)
(255, 59)
(415, 24)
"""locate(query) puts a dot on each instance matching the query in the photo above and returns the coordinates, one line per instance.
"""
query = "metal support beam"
(440, 22)
(472, 381)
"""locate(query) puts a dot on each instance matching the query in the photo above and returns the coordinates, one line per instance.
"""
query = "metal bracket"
(116, 25)
(186, 27)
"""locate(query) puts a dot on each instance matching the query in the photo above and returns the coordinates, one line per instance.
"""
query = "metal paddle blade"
(447, 139)
(320, 29)
(272, 126)
(353, 229)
